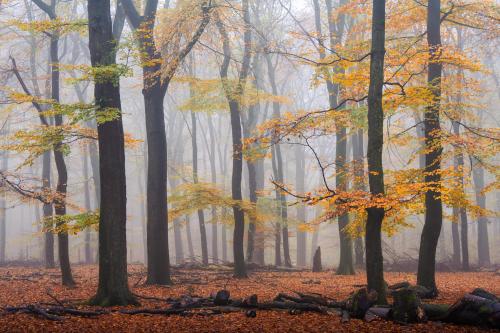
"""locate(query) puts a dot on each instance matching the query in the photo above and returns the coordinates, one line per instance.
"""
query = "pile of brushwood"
(479, 308)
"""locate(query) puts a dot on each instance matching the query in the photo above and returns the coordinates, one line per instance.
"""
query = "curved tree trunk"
(374, 257)
(433, 205)
(62, 171)
(240, 270)
(62, 181)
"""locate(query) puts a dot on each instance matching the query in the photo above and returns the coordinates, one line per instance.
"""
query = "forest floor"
(27, 285)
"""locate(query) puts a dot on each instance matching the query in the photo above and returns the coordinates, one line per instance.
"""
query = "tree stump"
(360, 302)
(407, 307)
(317, 267)
(222, 297)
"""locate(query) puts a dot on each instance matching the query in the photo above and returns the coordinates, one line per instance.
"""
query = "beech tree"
(374, 258)
(113, 280)
(433, 202)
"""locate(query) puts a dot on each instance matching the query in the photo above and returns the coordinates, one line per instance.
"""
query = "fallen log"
(375, 313)
(165, 312)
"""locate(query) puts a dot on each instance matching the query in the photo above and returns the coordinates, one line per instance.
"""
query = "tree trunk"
(240, 270)
(252, 182)
(483, 244)
(62, 172)
(464, 235)
(154, 90)
(336, 33)
(3, 227)
(301, 211)
(88, 208)
(260, 237)
(213, 171)
(144, 226)
(277, 226)
(47, 212)
(374, 257)
(201, 215)
(359, 184)
(113, 280)
(455, 238)
(157, 223)
(279, 175)
(189, 238)
(433, 205)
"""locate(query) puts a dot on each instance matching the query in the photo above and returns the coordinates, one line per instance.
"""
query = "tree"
(335, 33)
(113, 280)
(433, 203)
(483, 245)
(155, 88)
(62, 172)
(233, 99)
(4, 164)
(373, 241)
(201, 215)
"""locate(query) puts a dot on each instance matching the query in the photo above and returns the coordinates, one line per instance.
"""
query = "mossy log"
(407, 307)
(360, 302)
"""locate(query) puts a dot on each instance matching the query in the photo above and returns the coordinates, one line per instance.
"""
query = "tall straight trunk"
(3, 227)
(176, 154)
(462, 212)
(336, 33)
(301, 211)
(88, 208)
(373, 239)
(455, 234)
(213, 172)
(359, 185)
(239, 218)
(47, 213)
(259, 237)
(240, 270)
(113, 286)
(483, 244)
(140, 184)
(279, 175)
(252, 226)
(249, 126)
(189, 238)
(279, 214)
(157, 224)
(224, 243)
(433, 205)
(464, 239)
(201, 215)
(154, 90)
